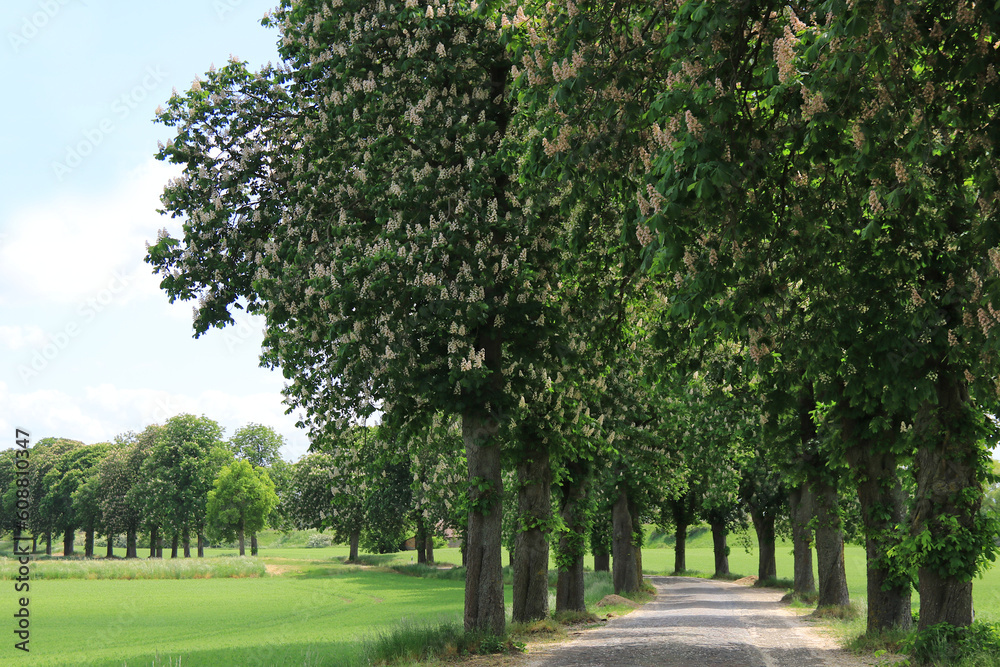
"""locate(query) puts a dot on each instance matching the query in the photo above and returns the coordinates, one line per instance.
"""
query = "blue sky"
(89, 345)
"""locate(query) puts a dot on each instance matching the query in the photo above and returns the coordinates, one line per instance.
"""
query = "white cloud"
(17, 337)
(101, 412)
(70, 249)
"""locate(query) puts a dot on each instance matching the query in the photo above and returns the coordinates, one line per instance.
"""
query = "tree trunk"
(174, 544)
(88, 543)
(763, 525)
(600, 542)
(484, 603)
(253, 543)
(420, 540)
(130, 544)
(159, 546)
(34, 544)
(680, 547)
(201, 544)
(355, 538)
(830, 549)
(154, 538)
(186, 539)
(800, 501)
(720, 548)
(531, 540)
(430, 548)
(883, 511)
(948, 499)
(682, 512)
(68, 538)
(622, 545)
(572, 541)
(48, 544)
(637, 538)
(239, 537)
(111, 546)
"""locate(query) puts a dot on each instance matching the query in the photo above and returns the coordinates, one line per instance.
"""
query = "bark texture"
(572, 542)
(174, 544)
(682, 513)
(623, 547)
(154, 541)
(602, 562)
(131, 544)
(949, 496)
(110, 552)
(830, 549)
(240, 539)
(420, 540)
(88, 544)
(531, 545)
(763, 525)
(355, 538)
(800, 501)
(484, 603)
(720, 548)
(430, 548)
(600, 541)
(883, 513)
(68, 538)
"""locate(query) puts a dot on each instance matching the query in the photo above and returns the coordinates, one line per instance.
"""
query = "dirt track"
(700, 623)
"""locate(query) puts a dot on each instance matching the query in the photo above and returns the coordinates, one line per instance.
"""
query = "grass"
(188, 568)
(408, 642)
(310, 607)
(294, 619)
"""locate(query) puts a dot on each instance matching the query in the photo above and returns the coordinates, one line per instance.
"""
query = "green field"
(310, 609)
(313, 614)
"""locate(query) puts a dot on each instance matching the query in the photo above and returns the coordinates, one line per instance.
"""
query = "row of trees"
(180, 478)
(711, 239)
(171, 480)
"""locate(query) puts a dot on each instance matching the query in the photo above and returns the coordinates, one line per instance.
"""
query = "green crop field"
(312, 615)
(308, 609)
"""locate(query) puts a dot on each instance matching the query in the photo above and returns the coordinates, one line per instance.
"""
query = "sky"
(90, 347)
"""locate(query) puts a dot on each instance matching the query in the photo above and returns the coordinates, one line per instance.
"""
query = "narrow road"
(700, 623)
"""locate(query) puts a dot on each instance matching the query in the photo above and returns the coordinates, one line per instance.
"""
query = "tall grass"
(596, 585)
(407, 642)
(140, 568)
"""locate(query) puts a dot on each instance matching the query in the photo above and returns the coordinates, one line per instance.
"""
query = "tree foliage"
(240, 501)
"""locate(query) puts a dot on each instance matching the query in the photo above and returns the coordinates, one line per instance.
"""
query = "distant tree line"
(181, 482)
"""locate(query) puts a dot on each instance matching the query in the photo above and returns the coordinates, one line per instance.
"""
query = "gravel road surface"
(701, 623)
